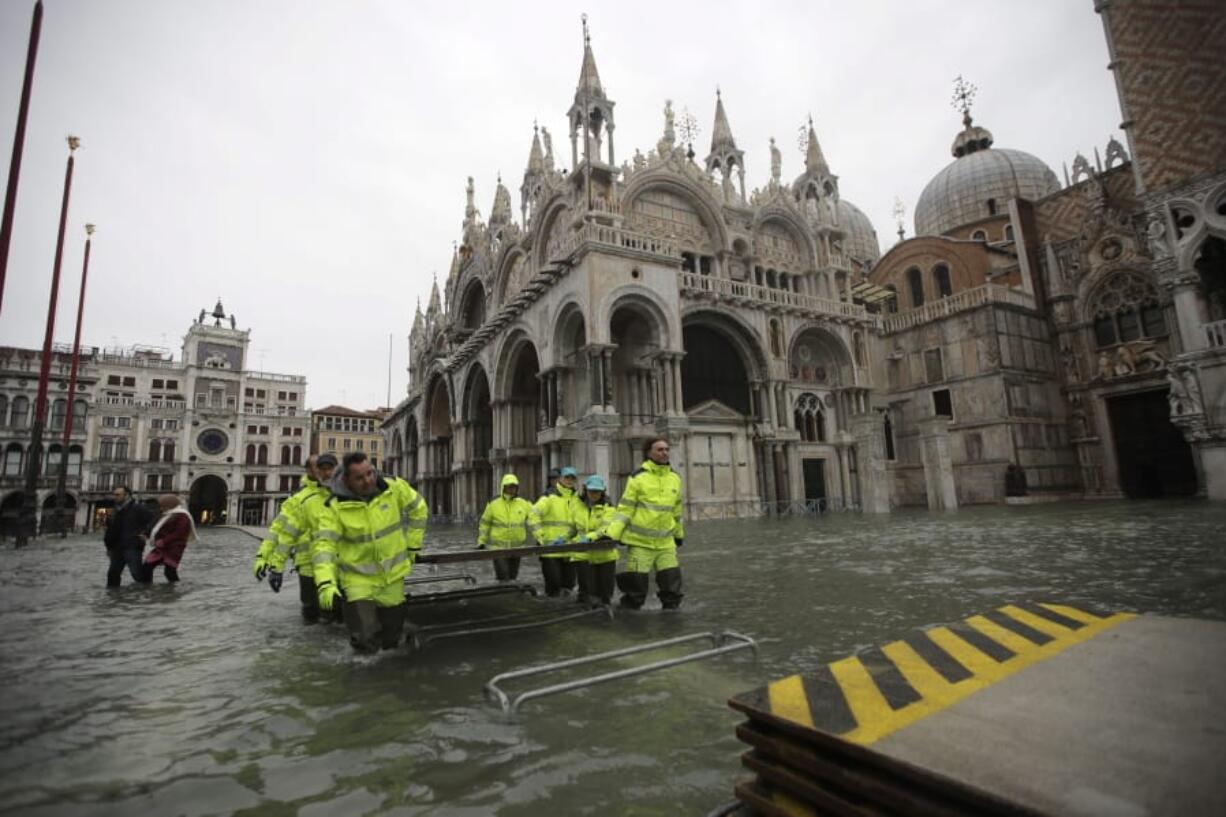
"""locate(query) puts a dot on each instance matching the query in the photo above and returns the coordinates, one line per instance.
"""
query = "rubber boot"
(634, 588)
(669, 583)
(583, 575)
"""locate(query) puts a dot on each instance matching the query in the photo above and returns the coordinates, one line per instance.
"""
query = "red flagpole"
(28, 524)
(62, 482)
(23, 109)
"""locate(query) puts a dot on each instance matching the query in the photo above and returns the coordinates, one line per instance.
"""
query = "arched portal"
(207, 500)
(634, 378)
(522, 416)
(58, 518)
(722, 360)
(436, 470)
(1210, 266)
(10, 514)
(479, 417)
(713, 369)
(472, 308)
(572, 387)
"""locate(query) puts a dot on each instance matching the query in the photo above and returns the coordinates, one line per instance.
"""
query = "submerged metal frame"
(428, 578)
(476, 592)
(421, 636)
(510, 704)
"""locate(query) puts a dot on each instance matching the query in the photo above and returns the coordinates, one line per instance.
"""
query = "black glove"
(274, 580)
(679, 542)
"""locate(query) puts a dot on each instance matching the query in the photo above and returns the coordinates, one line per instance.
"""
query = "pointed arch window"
(1126, 308)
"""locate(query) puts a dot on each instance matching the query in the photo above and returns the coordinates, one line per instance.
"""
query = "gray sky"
(306, 160)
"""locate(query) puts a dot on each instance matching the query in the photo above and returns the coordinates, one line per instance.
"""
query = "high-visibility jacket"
(294, 527)
(551, 516)
(368, 545)
(268, 547)
(504, 522)
(649, 514)
(592, 521)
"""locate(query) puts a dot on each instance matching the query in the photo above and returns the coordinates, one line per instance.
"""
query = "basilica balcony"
(959, 302)
(615, 239)
(745, 294)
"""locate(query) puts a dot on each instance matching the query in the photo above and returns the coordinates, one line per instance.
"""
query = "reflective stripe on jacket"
(551, 517)
(591, 521)
(505, 522)
(294, 527)
(649, 514)
(369, 544)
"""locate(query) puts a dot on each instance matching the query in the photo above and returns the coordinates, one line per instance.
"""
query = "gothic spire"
(721, 133)
(435, 301)
(589, 77)
(536, 160)
(500, 213)
(815, 162)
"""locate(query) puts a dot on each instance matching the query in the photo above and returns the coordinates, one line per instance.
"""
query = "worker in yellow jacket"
(370, 531)
(292, 535)
(595, 569)
(551, 520)
(504, 524)
(648, 522)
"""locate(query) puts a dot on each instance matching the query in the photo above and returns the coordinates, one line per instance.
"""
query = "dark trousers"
(559, 575)
(171, 574)
(596, 581)
(372, 627)
(309, 596)
(506, 570)
(130, 558)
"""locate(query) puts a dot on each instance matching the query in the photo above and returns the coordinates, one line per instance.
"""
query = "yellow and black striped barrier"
(809, 734)
(869, 695)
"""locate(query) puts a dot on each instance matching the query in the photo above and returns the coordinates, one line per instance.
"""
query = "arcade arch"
(207, 500)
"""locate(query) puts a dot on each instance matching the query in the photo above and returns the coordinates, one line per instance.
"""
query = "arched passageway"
(57, 518)
(478, 428)
(520, 417)
(207, 500)
(436, 478)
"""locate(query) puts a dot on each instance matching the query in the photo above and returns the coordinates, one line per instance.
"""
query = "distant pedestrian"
(170, 537)
(126, 531)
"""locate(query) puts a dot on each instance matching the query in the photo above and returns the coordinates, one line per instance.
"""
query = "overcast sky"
(306, 160)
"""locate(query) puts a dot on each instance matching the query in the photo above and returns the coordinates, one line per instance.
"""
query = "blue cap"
(594, 483)
(568, 472)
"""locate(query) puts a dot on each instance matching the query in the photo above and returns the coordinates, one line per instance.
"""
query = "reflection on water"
(211, 697)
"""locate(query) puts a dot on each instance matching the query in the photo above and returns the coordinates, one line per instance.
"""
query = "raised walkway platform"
(1026, 710)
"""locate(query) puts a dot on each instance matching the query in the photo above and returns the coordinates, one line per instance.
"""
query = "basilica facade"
(1035, 339)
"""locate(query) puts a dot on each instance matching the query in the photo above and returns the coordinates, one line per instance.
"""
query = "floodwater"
(211, 697)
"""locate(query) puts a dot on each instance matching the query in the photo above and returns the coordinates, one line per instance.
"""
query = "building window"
(345, 443)
(331, 443)
(20, 412)
(915, 280)
(1126, 308)
(888, 429)
(297, 459)
(155, 450)
(157, 384)
(285, 455)
(991, 207)
(129, 382)
(249, 457)
(13, 460)
(1008, 232)
(374, 446)
(979, 235)
(942, 405)
(941, 276)
(151, 482)
(932, 366)
(112, 380)
(262, 454)
(168, 451)
(358, 444)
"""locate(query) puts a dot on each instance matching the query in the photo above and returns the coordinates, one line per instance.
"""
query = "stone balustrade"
(959, 302)
(1215, 334)
(693, 284)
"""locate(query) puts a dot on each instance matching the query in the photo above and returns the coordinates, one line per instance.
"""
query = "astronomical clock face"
(212, 441)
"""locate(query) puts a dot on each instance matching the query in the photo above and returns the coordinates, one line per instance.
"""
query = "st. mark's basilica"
(1038, 338)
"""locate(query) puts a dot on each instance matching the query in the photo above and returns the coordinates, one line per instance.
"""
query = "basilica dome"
(861, 241)
(979, 183)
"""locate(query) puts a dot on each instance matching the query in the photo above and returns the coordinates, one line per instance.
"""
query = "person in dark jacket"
(125, 536)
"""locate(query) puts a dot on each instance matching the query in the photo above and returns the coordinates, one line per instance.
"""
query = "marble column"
(680, 397)
(1188, 312)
